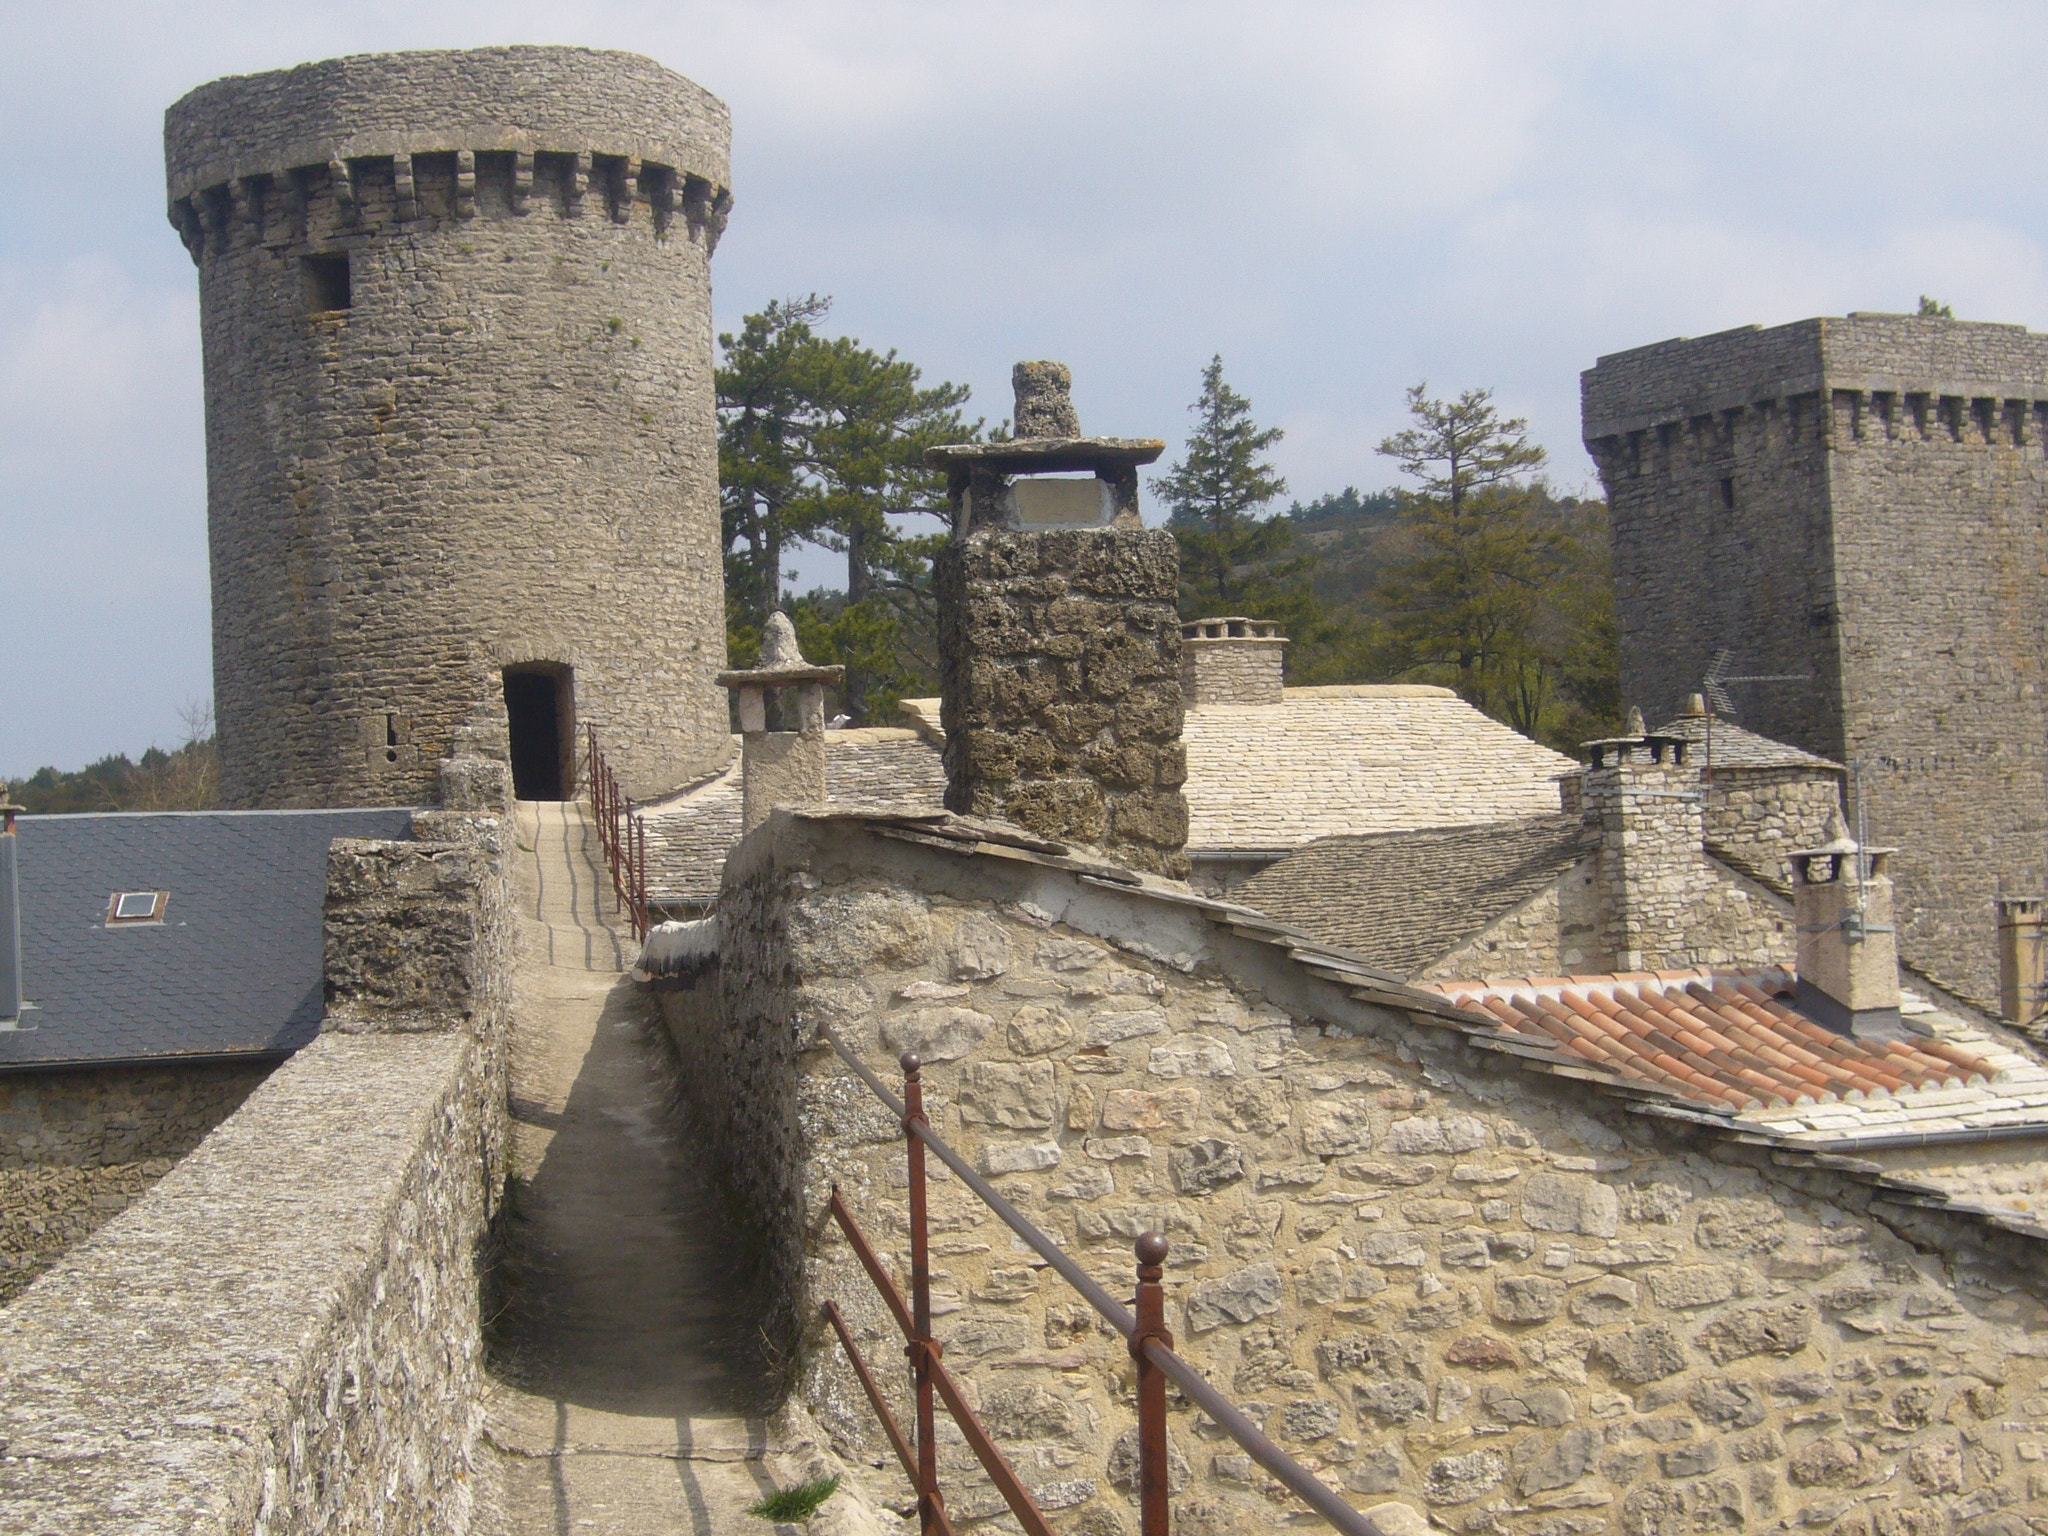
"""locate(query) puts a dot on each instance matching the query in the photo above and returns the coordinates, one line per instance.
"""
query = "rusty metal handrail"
(1145, 1332)
(621, 836)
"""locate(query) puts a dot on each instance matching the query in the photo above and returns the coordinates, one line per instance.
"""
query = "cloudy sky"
(1341, 199)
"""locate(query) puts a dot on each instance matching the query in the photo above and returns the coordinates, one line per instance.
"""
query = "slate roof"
(1357, 759)
(1732, 1042)
(1733, 747)
(689, 836)
(234, 968)
(1406, 899)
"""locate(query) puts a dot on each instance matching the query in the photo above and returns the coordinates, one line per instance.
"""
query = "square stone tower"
(1861, 503)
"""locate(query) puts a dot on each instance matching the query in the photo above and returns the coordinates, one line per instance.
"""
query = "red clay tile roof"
(1730, 1041)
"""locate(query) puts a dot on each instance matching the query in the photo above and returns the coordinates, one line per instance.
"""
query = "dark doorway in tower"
(540, 701)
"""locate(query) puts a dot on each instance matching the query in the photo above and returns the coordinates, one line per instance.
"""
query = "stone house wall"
(1754, 817)
(76, 1147)
(502, 451)
(1736, 921)
(1438, 1280)
(1861, 503)
(289, 1319)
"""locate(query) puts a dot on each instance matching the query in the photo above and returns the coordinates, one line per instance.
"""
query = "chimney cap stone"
(782, 661)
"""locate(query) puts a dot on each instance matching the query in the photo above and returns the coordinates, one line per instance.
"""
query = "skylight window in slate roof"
(125, 909)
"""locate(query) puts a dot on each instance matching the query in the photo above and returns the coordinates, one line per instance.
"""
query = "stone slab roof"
(235, 967)
(1733, 1043)
(689, 836)
(1733, 747)
(1357, 759)
(1408, 898)
(1325, 761)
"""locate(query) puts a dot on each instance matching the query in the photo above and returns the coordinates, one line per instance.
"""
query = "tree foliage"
(1235, 556)
(185, 778)
(1496, 587)
(1934, 309)
(822, 439)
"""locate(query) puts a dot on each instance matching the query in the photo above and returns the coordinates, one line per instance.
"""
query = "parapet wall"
(283, 1334)
(77, 1146)
(1436, 1279)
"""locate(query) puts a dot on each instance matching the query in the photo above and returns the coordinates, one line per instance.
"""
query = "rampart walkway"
(618, 1357)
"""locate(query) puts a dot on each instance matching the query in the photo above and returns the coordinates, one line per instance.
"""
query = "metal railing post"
(1154, 1517)
(923, 1351)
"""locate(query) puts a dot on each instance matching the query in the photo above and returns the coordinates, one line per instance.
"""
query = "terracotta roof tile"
(1733, 1041)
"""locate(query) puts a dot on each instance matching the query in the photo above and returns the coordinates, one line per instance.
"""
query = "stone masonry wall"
(1439, 1281)
(77, 1147)
(1231, 671)
(1062, 702)
(1736, 921)
(1754, 817)
(1864, 501)
(500, 452)
(288, 1322)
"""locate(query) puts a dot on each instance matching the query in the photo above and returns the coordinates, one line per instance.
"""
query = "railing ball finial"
(910, 1061)
(1151, 1249)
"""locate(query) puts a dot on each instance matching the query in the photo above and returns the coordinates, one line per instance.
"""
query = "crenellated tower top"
(374, 140)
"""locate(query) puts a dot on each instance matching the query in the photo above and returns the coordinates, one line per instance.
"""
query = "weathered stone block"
(1203, 1167)
(1646, 1353)
(1236, 1298)
(849, 933)
(936, 1034)
(1527, 1298)
(1137, 1109)
(1780, 1330)
(1569, 1202)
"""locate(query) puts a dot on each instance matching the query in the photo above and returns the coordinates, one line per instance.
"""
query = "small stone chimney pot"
(1848, 951)
(780, 768)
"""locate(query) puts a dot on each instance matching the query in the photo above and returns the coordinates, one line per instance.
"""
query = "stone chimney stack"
(2022, 959)
(780, 768)
(1059, 637)
(1232, 661)
(1848, 950)
(1644, 800)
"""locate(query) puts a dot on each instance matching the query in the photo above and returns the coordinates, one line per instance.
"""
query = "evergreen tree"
(823, 439)
(1501, 590)
(1232, 559)
(767, 387)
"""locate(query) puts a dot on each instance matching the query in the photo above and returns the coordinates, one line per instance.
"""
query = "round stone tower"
(462, 463)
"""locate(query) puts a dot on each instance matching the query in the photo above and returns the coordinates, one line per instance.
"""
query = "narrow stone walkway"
(619, 1400)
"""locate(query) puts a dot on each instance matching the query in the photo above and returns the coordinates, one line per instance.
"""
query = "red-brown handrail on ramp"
(1151, 1346)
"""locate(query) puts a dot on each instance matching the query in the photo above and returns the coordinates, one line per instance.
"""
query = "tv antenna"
(1715, 687)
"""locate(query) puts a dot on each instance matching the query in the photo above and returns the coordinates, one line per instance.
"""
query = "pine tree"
(1232, 559)
(1502, 591)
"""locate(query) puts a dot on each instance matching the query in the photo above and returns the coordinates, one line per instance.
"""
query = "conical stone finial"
(1635, 726)
(1840, 838)
(779, 649)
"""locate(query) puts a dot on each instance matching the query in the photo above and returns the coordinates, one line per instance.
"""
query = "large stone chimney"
(1059, 637)
(1231, 661)
(1848, 949)
(1650, 883)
